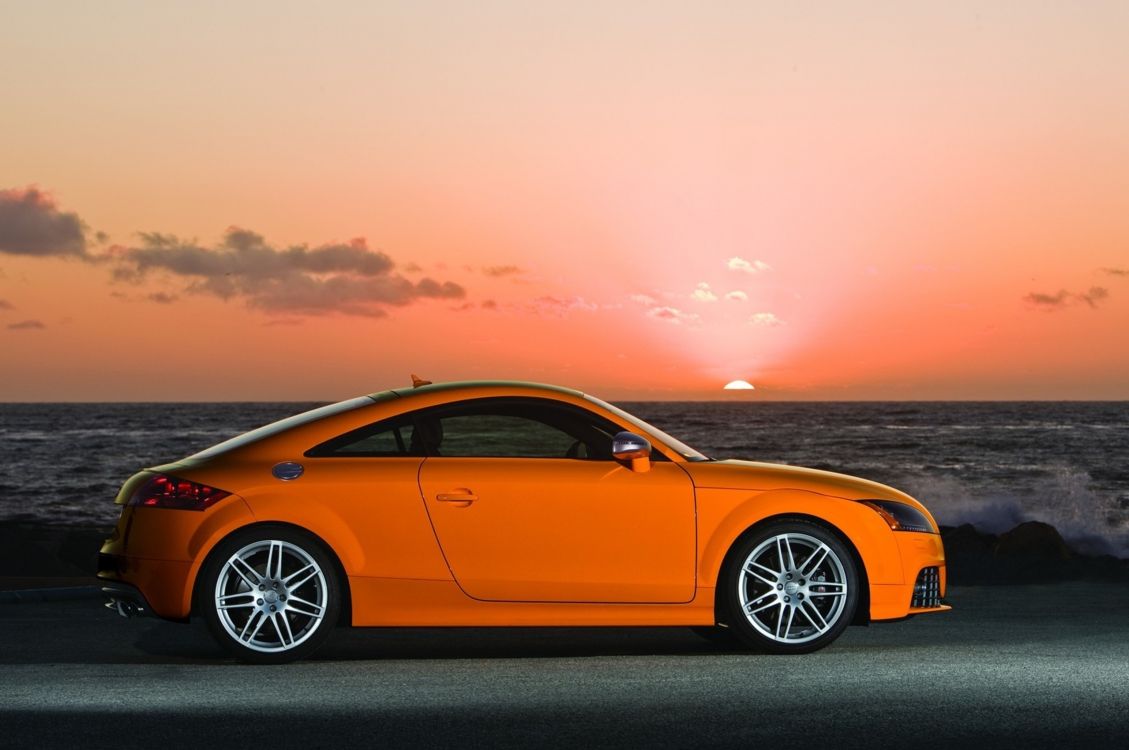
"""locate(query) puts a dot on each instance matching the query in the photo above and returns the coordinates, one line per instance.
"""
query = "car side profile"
(508, 504)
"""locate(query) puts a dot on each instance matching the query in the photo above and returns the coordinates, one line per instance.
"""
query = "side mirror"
(627, 446)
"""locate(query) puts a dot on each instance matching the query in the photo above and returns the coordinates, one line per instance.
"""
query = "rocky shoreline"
(34, 555)
(1032, 552)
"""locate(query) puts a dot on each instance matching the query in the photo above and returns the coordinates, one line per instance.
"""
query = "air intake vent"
(927, 590)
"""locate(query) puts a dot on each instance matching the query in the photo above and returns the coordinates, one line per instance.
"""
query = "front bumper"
(923, 579)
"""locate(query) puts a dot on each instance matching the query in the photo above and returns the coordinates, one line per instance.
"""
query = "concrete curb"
(63, 593)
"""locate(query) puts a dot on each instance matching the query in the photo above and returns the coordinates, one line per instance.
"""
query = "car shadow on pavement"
(180, 643)
(993, 620)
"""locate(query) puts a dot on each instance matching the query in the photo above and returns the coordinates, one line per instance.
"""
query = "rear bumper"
(142, 586)
(158, 551)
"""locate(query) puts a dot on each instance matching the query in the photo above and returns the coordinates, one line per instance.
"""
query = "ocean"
(993, 464)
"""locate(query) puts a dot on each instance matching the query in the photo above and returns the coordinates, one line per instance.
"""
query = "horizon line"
(628, 400)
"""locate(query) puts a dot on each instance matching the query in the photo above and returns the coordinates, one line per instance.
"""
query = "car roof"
(468, 385)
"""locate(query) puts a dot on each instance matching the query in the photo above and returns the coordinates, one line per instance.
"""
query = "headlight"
(900, 516)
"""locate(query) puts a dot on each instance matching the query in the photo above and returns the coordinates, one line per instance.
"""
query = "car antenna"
(417, 381)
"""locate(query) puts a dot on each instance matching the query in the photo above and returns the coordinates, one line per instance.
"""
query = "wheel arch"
(346, 616)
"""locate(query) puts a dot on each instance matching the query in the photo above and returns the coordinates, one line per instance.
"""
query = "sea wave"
(1091, 521)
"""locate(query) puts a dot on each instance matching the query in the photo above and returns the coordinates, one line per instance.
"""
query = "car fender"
(725, 514)
(314, 516)
(218, 524)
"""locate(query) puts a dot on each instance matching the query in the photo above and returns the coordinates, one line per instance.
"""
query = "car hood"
(753, 475)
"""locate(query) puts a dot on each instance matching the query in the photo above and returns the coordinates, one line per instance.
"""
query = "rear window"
(389, 438)
(282, 425)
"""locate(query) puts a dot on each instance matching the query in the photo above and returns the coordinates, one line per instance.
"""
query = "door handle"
(466, 498)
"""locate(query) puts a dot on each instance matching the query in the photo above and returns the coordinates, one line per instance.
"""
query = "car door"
(528, 505)
(367, 481)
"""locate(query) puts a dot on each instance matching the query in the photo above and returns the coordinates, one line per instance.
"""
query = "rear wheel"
(791, 587)
(270, 595)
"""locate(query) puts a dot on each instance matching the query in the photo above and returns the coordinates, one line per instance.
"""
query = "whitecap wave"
(1091, 521)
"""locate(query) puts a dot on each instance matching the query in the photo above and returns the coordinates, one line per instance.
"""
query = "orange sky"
(924, 201)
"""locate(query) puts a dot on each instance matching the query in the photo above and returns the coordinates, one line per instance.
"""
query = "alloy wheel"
(271, 596)
(792, 588)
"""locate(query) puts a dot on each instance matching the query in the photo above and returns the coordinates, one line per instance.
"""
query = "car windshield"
(674, 444)
(283, 424)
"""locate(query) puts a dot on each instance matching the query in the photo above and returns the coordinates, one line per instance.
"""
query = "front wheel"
(791, 587)
(269, 595)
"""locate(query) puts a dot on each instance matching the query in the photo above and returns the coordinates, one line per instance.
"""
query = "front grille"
(927, 589)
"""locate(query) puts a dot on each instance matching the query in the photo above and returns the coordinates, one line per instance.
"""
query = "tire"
(263, 614)
(790, 587)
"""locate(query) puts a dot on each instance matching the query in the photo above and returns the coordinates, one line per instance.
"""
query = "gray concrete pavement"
(1034, 666)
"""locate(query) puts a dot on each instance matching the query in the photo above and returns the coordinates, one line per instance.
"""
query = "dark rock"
(1033, 539)
(969, 554)
(965, 540)
(1032, 552)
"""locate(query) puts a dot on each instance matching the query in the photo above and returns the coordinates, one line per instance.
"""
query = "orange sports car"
(505, 503)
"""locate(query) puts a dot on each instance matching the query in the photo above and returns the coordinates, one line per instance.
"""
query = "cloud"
(736, 296)
(163, 298)
(703, 293)
(562, 306)
(489, 304)
(1095, 295)
(1048, 301)
(5, 305)
(500, 271)
(345, 278)
(31, 224)
(673, 315)
(1063, 298)
(1116, 271)
(765, 319)
(747, 266)
(27, 325)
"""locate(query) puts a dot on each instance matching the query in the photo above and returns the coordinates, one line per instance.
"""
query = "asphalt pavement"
(1030, 667)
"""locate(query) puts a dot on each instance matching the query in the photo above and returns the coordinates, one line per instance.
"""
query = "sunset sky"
(244, 201)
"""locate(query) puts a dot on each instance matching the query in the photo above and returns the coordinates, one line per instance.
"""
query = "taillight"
(163, 491)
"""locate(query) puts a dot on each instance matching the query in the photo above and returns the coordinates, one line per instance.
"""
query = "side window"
(505, 427)
(510, 427)
(388, 438)
(502, 435)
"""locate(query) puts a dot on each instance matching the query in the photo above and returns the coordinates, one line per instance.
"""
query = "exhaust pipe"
(125, 601)
(125, 609)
